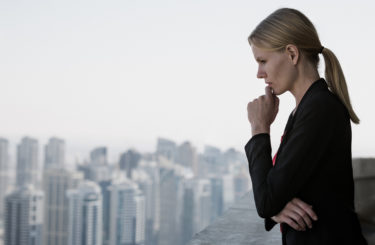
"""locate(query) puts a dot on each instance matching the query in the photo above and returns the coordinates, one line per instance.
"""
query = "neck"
(302, 84)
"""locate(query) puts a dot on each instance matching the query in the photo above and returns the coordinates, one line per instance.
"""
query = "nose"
(261, 73)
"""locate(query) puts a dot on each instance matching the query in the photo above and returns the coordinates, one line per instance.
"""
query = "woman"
(308, 186)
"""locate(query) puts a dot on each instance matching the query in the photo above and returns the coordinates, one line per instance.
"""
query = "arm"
(297, 214)
(275, 186)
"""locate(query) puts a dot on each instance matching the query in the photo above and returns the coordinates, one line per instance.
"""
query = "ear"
(293, 53)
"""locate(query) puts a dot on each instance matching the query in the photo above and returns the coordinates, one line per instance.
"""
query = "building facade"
(24, 217)
(56, 182)
(85, 214)
(54, 153)
(27, 162)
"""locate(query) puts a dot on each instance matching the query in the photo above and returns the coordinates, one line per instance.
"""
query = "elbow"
(263, 213)
(266, 211)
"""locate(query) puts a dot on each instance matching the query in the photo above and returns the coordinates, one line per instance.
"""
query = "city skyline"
(82, 154)
(137, 200)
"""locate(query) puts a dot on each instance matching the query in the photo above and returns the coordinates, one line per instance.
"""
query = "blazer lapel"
(318, 85)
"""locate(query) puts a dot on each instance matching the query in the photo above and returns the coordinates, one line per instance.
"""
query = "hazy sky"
(122, 73)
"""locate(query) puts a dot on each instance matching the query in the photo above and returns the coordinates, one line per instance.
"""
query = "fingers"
(290, 222)
(268, 92)
(307, 208)
(283, 217)
(297, 214)
(297, 219)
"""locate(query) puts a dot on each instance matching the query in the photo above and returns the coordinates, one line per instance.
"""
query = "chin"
(275, 92)
(279, 91)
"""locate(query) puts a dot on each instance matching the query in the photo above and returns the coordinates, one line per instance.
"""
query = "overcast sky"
(122, 73)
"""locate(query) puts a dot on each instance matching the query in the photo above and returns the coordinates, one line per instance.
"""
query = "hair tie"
(321, 50)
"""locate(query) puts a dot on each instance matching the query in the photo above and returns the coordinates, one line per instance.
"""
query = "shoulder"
(323, 103)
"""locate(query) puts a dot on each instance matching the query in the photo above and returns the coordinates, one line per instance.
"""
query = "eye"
(262, 62)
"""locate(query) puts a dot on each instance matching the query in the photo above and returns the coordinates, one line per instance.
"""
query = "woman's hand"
(262, 112)
(297, 214)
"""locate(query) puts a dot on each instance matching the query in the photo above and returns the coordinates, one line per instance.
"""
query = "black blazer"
(314, 163)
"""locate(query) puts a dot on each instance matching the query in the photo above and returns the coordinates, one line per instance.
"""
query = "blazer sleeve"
(307, 142)
(269, 224)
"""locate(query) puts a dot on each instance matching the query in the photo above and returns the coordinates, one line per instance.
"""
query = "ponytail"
(336, 81)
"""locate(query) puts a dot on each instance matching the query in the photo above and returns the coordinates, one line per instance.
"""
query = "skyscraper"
(171, 198)
(54, 153)
(127, 214)
(214, 160)
(129, 161)
(106, 195)
(188, 211)
(56, 181)
(4, 173)
(202, 204)
(217, 199)
(85, 215)
(187, 156)
(27, 162)
(228, 191)
(97, 169)
(166, 148)
(98, 156)
(151, 190)
(241, 185)
(24, 217)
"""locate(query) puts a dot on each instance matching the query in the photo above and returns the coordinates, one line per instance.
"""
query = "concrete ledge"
(240, 225)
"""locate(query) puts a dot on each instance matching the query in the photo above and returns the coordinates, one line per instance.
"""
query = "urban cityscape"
(162, 198)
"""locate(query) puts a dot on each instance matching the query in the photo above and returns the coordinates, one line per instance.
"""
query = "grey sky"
(122, 73)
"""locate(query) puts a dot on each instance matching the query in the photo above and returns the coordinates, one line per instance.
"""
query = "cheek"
(285, 72)
(283, 76)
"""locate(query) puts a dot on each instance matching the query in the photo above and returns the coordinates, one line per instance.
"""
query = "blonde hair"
(289, 26)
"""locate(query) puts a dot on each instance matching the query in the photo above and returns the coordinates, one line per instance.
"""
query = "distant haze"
(122, 73)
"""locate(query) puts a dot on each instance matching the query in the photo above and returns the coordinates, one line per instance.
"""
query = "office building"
(24, 216)
(27, 162)
(85, 214)
(4, 173)
(127, 214)
(54, 153)
(56, 182)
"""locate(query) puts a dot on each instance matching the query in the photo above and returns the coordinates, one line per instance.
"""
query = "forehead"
(261, 53)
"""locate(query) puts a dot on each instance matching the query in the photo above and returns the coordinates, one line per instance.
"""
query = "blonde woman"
(308, 185)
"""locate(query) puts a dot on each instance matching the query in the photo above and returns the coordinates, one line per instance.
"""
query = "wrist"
(259, 129)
